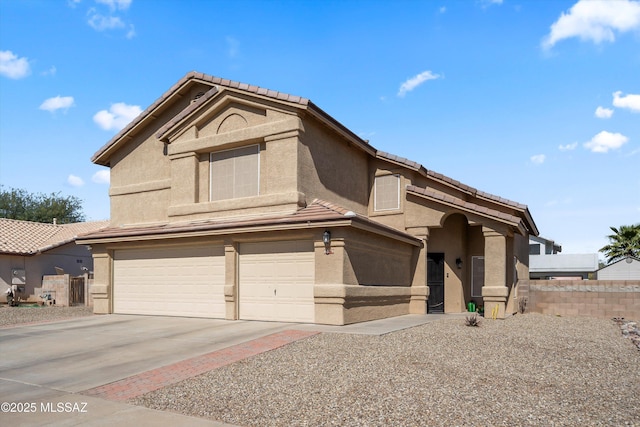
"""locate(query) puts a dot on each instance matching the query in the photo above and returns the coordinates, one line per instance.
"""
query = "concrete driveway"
(72, 372)
(45, 365)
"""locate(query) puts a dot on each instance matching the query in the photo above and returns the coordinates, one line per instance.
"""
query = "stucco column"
(330, 279)
(102, 289)
(495, 291)
(184, 179)
(419, 287)
(231, 280)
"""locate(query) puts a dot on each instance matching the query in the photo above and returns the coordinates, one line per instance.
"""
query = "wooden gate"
(76, 291)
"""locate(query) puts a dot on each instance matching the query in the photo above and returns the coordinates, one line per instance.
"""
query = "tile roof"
(30, 238)
(218, 82)
(193, 75)
(445, 179)
(317, 213)
(466, 206)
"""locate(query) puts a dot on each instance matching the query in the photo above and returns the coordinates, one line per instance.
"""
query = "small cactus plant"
(472, 320)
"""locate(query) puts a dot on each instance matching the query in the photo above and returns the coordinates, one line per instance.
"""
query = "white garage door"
(276, 281)
(170, 281)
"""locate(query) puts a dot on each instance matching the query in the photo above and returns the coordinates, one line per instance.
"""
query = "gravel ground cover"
(526, 370)
(23, 314)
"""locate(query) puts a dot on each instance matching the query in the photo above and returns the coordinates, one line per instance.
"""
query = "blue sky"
(534, 101)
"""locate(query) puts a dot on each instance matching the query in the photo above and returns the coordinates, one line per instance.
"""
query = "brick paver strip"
(137, 385)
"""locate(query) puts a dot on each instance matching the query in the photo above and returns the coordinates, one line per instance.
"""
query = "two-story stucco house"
(233, 201)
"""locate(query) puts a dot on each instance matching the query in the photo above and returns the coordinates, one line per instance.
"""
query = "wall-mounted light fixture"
(629, 260)
(459, 263)
(326, 239)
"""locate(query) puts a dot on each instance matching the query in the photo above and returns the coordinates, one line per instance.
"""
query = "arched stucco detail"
(233, 121)
(446, 215)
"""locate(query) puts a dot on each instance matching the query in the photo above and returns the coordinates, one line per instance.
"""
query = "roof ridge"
(194, 75)
(283, 96)
(331, 206)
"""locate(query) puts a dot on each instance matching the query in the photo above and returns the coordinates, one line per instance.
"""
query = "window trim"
(375, 193)
(211, 154)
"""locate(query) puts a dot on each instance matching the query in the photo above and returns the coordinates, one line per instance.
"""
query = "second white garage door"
(180, 281)
(276, 281)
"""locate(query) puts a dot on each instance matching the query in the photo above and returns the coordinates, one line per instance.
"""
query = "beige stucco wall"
(70, 257)
(141, 176)
(301, 158)
(331, 169)
(365, 276)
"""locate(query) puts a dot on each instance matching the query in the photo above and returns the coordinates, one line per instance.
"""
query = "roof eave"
(517, 223)
(338, 127)
(101, 157)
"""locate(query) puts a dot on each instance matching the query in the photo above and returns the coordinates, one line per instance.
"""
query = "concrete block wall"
(58, 285)
(590, 298)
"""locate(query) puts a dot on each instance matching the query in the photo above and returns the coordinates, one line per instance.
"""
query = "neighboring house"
(30, 250)
(541, 246)
(546, 262)
(233, 201)
(627, 268)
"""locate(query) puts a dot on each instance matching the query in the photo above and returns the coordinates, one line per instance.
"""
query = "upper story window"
(235, 173)
(534, 249)
(386, 193)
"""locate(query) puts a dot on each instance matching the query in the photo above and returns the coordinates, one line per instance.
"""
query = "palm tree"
(625, 242)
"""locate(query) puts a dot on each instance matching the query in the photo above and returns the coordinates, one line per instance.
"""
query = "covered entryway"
(171, 281)
(276, 281)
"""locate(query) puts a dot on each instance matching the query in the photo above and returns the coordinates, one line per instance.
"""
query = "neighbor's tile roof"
(317, 213)
(29, 238)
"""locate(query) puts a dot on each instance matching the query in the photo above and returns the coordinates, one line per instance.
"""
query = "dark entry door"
(435, 281)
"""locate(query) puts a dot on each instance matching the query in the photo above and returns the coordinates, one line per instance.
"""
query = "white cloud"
(50, 72)
(101, 177)
(630, 101)
(603, 113)
(75, 181)
(13, 67)
(594, 20)
(118, 116)
(416, 81)
(57, 103)
(116, 4)
(100, 22)
(487, 3)
(568, 147)
(132, 32)
(73, 3)
(605, 141)
(538, 159)
(233, 47)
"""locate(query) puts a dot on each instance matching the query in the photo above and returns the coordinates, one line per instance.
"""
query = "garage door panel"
(276, 281)
(170, 281)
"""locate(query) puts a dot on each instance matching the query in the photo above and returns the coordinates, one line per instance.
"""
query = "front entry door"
(435, 281)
